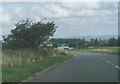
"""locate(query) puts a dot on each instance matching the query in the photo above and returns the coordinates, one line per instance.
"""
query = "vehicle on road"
(64, 47)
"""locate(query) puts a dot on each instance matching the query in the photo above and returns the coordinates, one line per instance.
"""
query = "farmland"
(103, 50)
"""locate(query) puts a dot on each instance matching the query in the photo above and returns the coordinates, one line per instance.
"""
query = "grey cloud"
(73, 19)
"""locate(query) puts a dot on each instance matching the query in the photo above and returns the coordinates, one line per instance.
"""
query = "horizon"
(79, 37)
(92, 36)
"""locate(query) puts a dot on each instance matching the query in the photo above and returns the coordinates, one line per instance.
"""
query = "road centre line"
(111, 63)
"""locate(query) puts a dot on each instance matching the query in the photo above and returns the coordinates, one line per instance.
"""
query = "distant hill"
(102, 37)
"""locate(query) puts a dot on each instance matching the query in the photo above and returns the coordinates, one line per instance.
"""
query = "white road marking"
(108, 61)
(117, 67)
(112, 64)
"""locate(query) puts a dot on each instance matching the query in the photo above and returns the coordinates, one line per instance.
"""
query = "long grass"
(103, 50)
(12, 58)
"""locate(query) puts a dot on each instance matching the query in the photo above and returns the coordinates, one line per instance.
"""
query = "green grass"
(0, 74)
(18, 73)
(103, 50)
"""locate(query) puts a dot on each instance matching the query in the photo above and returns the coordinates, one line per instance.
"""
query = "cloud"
(66, 9)
(86, 12)
(4, 18)
(93, 5)
(54, 10)
(60, 0)
(76, 5)
(107, 12)
(71, 17)
(60, 12)
(34, 8)
(19, 11)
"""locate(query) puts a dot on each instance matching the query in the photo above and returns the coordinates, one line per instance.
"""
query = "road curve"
(84, 67)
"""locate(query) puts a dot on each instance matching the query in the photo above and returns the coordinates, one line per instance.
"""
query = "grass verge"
(103, 50)
(17, 74)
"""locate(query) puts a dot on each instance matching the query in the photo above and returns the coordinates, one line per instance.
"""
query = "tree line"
(82, 43)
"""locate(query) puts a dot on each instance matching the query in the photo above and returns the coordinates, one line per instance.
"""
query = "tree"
(91, 42)
(96, 42)
(113, 42)
(28, 34)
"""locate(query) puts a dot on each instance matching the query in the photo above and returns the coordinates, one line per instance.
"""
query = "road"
(84, 67)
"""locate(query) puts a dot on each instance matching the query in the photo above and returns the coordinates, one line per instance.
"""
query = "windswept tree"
(28, 34)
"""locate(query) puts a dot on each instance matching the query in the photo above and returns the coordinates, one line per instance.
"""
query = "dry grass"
(11, 58)
(105, 50)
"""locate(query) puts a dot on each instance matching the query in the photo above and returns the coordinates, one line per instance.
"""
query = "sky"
(72, 18)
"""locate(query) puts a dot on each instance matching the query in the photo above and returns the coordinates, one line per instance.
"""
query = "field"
(103, 50)
(20, 64)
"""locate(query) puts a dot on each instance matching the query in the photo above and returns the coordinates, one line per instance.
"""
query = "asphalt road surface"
(84, 67)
